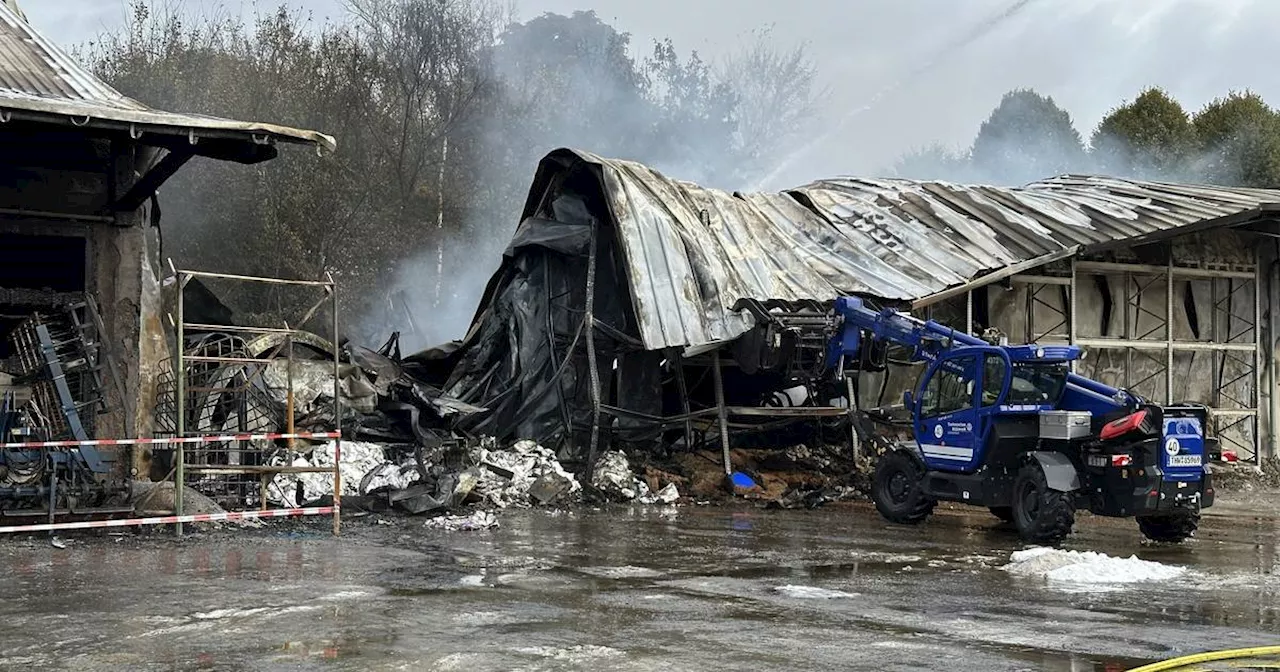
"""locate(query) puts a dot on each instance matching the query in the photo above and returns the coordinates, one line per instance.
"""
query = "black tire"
(1171, 528)
(896, 489)
(1004, 513)
(1042, 515)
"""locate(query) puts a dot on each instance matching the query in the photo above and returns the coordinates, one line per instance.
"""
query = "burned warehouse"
(637, 310)
(526, 359)
(631, 312)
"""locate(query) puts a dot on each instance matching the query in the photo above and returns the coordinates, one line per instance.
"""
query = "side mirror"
(907, 400)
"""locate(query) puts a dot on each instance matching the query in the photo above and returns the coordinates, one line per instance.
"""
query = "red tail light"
(1123, 426)
(1121, 460)
(1229, 456)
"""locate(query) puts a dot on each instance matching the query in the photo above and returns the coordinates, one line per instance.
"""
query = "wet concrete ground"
(641, 588)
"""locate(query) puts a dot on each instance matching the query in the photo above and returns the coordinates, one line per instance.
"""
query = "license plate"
(1099, 460)
(1184, 460)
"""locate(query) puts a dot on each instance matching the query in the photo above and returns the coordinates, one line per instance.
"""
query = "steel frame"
(178, 279)
(1235, 341)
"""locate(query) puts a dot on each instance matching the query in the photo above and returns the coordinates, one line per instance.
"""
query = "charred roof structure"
(78, 179)
(621, 289)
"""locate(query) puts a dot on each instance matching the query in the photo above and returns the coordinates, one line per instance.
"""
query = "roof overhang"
(224, 139)
(40, 83)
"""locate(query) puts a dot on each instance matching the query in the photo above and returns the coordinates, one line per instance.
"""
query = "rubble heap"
(397, 452)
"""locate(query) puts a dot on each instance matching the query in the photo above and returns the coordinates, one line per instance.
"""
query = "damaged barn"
(80, 317)
(636, 311)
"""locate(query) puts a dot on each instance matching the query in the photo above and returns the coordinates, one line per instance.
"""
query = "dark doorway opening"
(38, 274)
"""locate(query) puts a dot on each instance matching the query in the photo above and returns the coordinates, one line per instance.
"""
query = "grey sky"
(1088, 54)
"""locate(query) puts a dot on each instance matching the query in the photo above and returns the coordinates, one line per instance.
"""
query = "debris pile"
(524, 475)
(614, 479)
(794, 477)
(480, 520)
(399, 453)
(157, 498)
(358, 461)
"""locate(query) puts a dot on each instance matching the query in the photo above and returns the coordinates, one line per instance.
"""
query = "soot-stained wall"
(63, 182)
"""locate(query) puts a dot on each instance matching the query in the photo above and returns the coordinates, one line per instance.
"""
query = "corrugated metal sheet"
(692, 252)
(38, 77)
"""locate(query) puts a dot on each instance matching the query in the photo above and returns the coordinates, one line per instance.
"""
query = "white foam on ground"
(886, 558)
(812, 593)
(624, 572)
(206, 619)
(458, 661)
(1088, 568)
(346, 595)
(483, 618)
(579, 653)
(228, 613)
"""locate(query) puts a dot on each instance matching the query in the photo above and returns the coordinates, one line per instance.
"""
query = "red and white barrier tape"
(167, 520)
(189, 439)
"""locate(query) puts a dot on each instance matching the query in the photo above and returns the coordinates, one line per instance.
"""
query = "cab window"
(950, 389)
(993, 370)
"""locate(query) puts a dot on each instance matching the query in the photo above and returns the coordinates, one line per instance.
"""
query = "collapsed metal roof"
(41, 82)
(691, 252)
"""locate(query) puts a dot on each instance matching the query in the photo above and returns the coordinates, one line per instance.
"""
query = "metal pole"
(254, 278)
(592, 369)
(682, 386)
(288, 412)
(1168, 332)
(1128, 332)
(1213, 338)
(1071, 309)
(721, 413)
(180, 425)
(968, 312)
(337, 415)
(1030, 291)
(1257, 357)
(1273, 439)
(853, 416)
(288, 393)
(264, 481)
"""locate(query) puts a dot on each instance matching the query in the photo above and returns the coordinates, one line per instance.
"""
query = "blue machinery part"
(929, 340)
(1009, 427)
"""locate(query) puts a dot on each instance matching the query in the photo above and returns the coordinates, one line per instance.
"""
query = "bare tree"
(777, 98)
(433, 55)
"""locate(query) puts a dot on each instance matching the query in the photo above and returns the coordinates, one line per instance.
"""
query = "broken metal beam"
(722, 414)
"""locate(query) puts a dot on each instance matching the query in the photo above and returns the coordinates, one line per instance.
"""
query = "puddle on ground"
(628, 589)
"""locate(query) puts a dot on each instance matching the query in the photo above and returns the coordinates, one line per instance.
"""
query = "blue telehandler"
(1013, 429)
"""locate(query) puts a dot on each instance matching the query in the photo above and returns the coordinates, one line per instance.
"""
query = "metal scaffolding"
(193, 373)
(1148, 335)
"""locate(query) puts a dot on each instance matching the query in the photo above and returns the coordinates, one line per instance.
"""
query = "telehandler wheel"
(1169, 527)
(1004, 513)
(896, 490)
(1042, 515)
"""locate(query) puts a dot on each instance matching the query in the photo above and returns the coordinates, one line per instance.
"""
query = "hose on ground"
(1208, 657)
